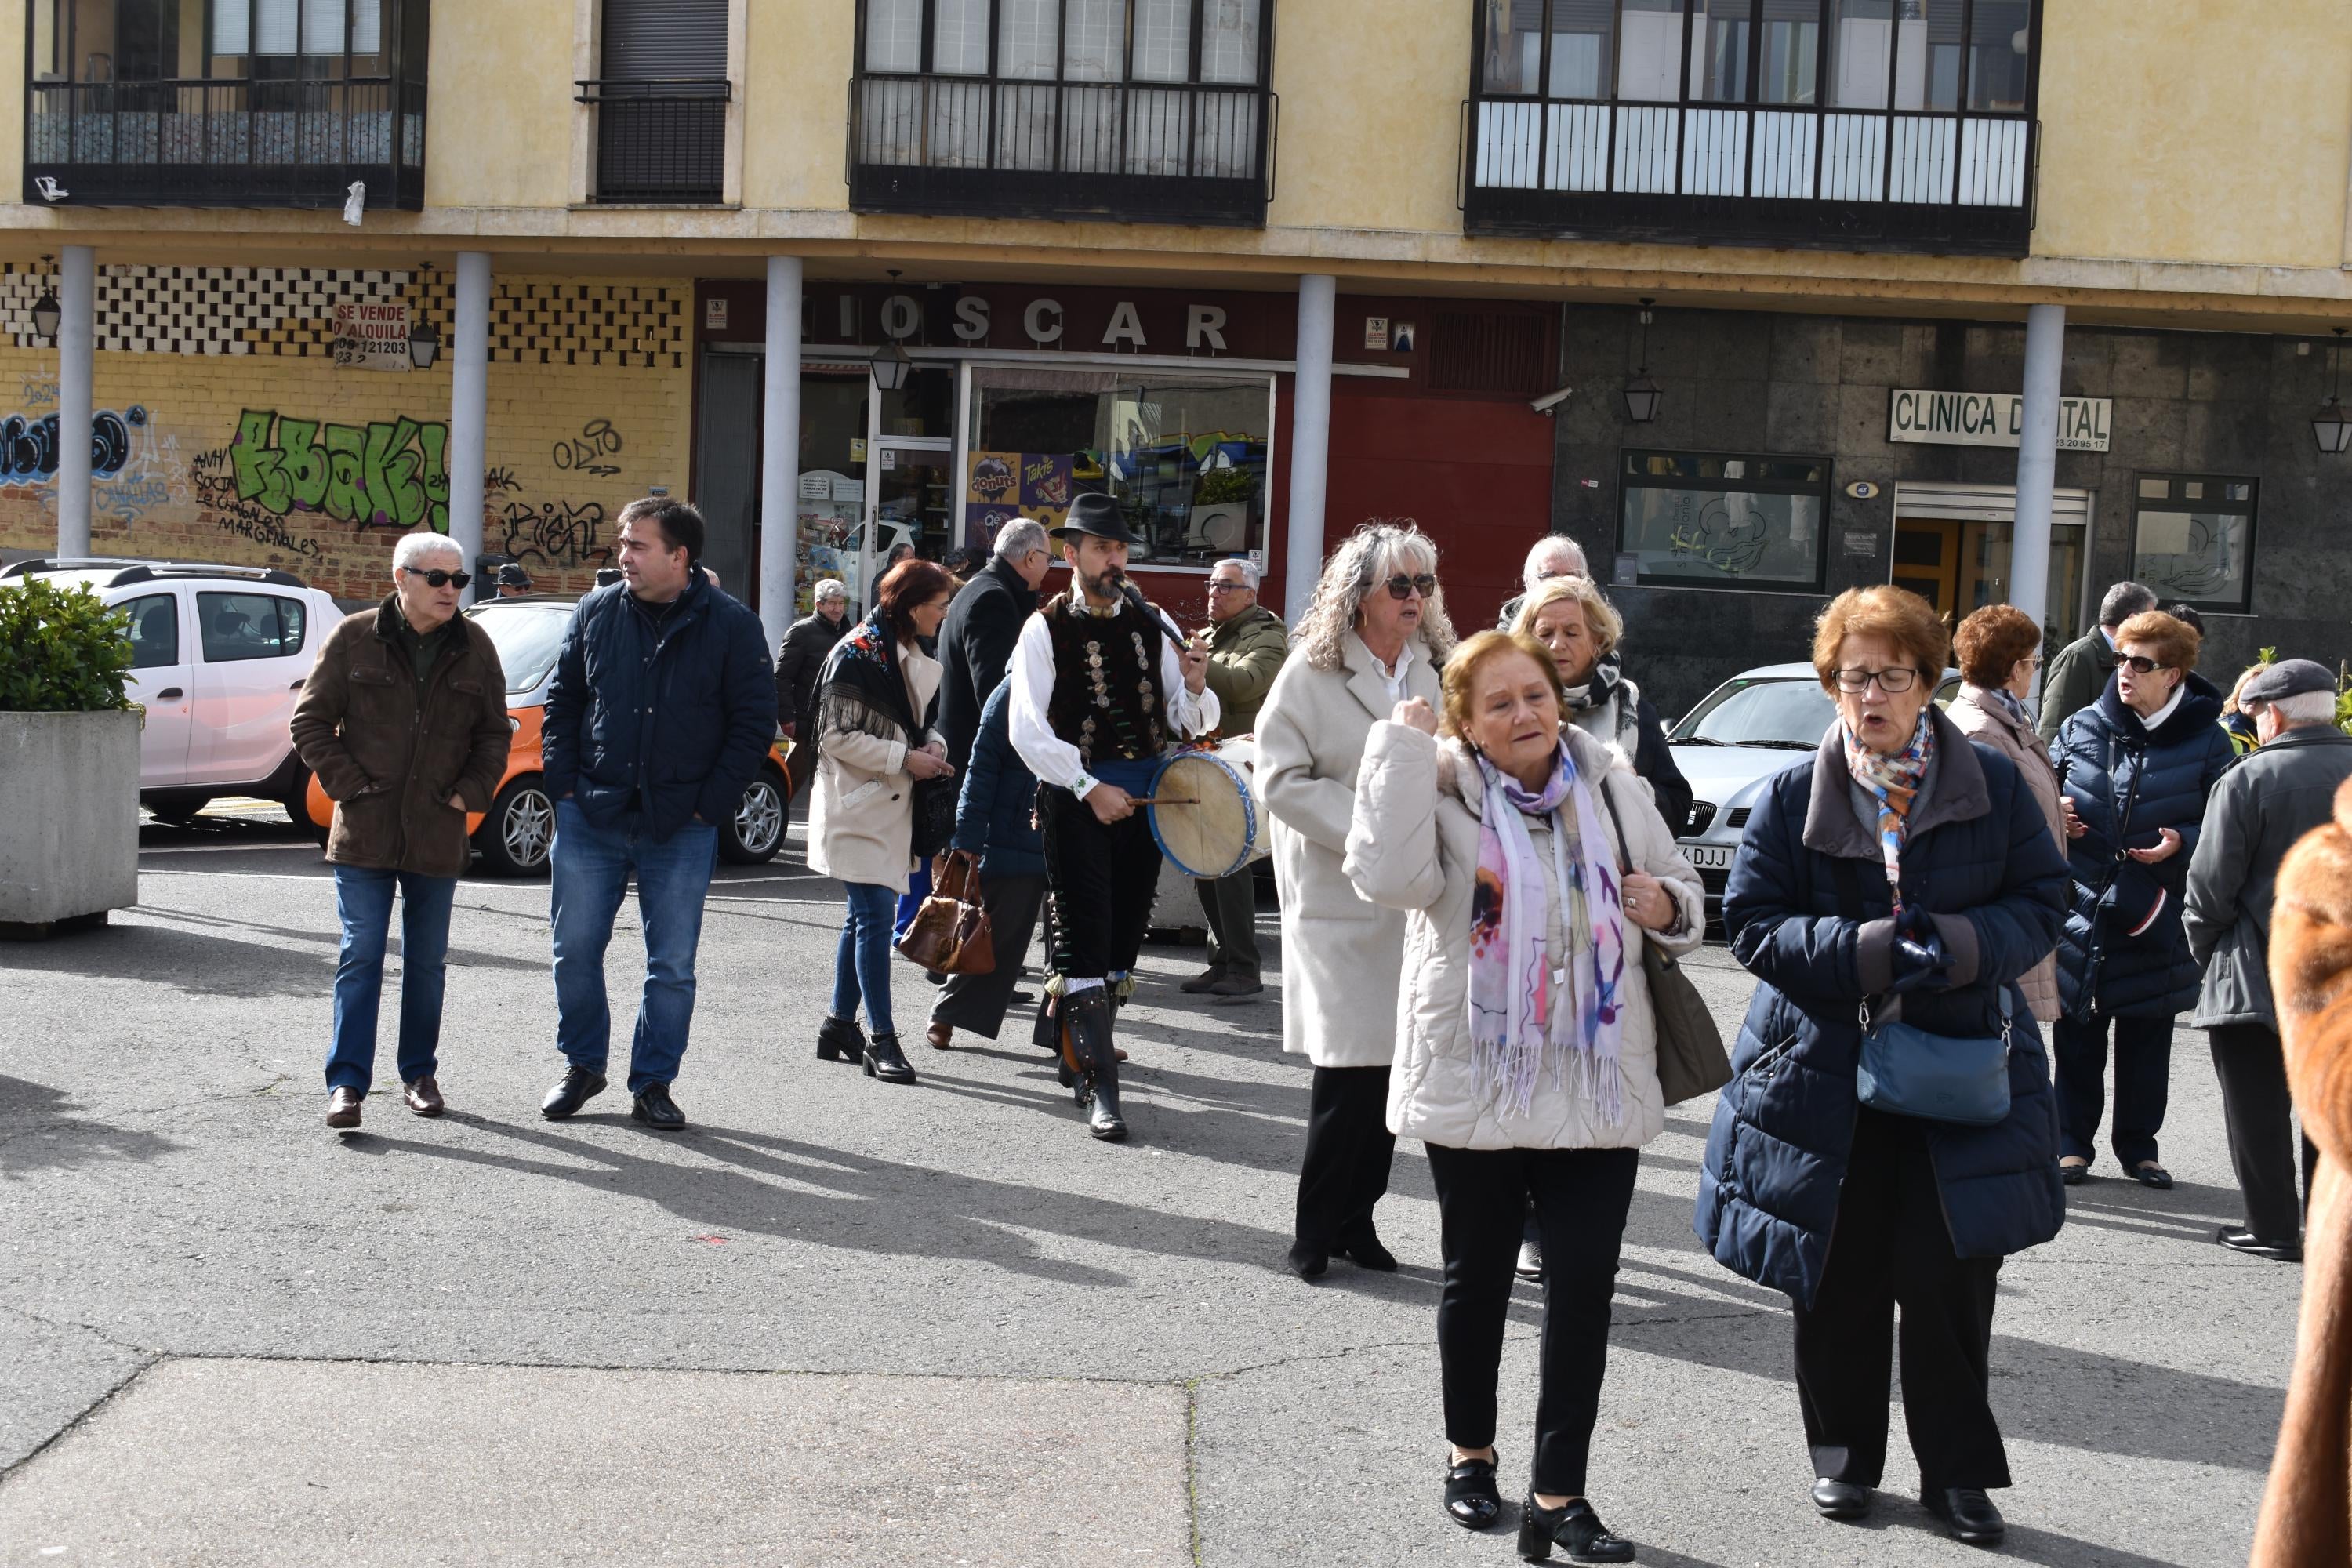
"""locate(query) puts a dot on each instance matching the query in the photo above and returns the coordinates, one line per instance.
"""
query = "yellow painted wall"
(201, 442)
(499, 117)
(1371, 99)
(797, 59)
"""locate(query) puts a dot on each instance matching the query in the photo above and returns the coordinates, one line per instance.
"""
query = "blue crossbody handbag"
(1906, 1071)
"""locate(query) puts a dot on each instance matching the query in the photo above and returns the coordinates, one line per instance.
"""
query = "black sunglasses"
(1403, 587)
(440, 579)
(2143, 665)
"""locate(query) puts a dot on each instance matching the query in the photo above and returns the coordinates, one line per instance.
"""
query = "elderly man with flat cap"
(2270, 798)
(1101, 682)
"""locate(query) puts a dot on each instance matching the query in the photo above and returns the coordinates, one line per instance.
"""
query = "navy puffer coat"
(998, 800)
(2105, 760)
(1979, 859)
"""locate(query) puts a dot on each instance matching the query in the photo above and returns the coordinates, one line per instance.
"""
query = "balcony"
(1175, 152)
(660, 141)
(1823, 179)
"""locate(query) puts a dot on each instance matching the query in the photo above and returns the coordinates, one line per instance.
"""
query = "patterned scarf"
(1511, 975)
(2006, 701)
(862, 687)
(1894, 782)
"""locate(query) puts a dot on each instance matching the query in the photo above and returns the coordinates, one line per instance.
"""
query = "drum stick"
(1159, 800)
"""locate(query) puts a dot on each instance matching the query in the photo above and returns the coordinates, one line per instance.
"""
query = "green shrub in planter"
(61, 651)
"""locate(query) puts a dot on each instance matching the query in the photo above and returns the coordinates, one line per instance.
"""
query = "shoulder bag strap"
(1624, 863)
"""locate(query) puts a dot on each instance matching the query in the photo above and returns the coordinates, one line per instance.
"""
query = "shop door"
(909, 489)
(727, 468)
(1928, 562)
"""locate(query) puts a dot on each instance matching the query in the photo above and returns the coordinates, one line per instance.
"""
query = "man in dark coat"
(2080, 671)
(2266, 802)
(802, 655)
(984, 623)
(662, 705)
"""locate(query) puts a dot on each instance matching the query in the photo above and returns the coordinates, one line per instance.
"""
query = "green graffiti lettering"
(347, 498)
(389, 474)
(394, 494)
(306, 465)
(436, 439)
(256, 462)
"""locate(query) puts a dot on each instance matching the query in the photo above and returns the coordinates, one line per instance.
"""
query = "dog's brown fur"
(2306, 1519)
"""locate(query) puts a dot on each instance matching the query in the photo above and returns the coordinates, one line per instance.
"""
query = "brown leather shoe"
(344, 1109)
(423, 1096)
(940, 1037)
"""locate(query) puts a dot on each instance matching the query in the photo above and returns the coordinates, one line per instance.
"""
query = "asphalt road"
(838, 1321)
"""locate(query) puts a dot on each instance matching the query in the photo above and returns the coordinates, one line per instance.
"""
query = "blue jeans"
(861, 965)
(589, 871)
(363, 904)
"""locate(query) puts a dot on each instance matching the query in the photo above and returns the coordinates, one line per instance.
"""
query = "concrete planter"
(69, 833)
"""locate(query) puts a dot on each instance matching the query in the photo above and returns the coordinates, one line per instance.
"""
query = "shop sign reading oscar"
(1993, 419)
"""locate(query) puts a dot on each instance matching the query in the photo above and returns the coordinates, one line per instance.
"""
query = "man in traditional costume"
(1101, 682)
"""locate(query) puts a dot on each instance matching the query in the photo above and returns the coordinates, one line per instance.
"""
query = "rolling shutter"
(647, 39)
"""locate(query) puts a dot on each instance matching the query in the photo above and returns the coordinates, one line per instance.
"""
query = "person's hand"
(927, 764)
(2162, 852)
(1196, 670)
(1920, 956)
(937, 748)
(1416, 713)
(790, 732)
(456, 802)
(1647, 902)
(1111, 803)
(2075, 825)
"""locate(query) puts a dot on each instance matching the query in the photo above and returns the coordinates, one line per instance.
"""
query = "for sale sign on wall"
(371, 334)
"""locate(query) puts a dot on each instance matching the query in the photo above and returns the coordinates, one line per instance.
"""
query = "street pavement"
(842, 1323)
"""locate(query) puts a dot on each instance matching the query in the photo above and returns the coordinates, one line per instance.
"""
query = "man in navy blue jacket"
(662, 705)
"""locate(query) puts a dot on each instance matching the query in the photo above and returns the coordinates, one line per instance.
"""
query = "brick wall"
(226, 431)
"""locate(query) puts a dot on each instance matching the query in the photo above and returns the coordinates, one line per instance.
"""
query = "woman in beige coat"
(1533, 867)
(1372, 637)
(1997, 650)
(874, 707)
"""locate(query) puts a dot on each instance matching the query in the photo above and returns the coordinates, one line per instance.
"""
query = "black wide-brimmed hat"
(1098, 515)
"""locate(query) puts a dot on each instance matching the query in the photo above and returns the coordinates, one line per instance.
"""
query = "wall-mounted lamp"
(2331, 426)
(1642, 396)
(424, 345)
(892, 364)
(47, 312)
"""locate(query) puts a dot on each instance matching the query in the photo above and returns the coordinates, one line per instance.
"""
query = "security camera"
(50, 190)
(1550, 401)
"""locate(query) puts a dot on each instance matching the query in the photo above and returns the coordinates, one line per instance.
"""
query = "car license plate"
(1708, 857)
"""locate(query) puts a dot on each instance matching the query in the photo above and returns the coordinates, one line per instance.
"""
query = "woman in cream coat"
(1532, 866)
(1997, 649)
(874, 705)
(1372, 637)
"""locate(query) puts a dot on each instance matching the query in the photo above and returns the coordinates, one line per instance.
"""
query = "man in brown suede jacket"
(404, 719)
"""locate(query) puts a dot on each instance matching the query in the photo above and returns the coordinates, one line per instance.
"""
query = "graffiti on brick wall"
(214, 478)
(390, 473)
(28, 445)
(554, 533)
(591, 452)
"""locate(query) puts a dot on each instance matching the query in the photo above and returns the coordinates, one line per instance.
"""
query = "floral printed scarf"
(1512, 977)
(1894, 782)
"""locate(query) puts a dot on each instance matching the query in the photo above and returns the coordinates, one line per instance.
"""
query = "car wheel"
(753, 834)
(518, 829)
(182, 811)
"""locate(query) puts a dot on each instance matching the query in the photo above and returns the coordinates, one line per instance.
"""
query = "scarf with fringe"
(1893, 780)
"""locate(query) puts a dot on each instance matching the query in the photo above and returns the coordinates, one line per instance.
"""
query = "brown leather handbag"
(950, 933)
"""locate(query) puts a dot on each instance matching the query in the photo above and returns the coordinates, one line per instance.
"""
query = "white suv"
(219, 656)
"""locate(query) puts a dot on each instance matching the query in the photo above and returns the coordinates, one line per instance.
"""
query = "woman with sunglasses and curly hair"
(1373, 637)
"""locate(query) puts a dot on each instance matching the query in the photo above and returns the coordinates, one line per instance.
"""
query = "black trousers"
(977, 1002)
(1101, 880)
(2143, 1083)
(1581, 1197)
(2259, 1112)
(1890, 1248)
(1349, 1148)
(1230, 906)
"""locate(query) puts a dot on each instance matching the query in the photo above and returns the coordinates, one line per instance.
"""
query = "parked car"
(1759, 723)
(218, 658)
(514, 835)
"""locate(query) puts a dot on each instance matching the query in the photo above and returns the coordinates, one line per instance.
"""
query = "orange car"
(514, 835)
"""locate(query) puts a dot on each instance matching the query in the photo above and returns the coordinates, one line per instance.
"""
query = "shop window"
(1718, 520)
(1185, 456)
(2193, 540)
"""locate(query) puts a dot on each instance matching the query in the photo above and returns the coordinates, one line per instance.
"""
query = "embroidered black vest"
(1108, 701)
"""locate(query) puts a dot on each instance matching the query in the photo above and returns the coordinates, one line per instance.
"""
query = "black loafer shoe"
(578, 1086)
(1574, 1527)
(1839, 1500)
(2148, 1173)
(1973, 1518)
(1365, 1251)
(657, 1110)
(1308, 1263)
(2285, 1251)
(1471, 1500)
(2073, 1175)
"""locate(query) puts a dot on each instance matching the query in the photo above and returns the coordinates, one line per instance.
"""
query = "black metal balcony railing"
(1184, 153)
(1747, 175)
(660, 141)
(227, 143)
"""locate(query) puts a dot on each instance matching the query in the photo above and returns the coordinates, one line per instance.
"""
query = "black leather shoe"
(1307, 1262)
(344, 1109)
(1971, 1514)
(1090, 1014)
(1366, 1252)
(2148, 1173)
(1574, 1527)
(578, 1087)
(1839, 1500)
(886, 1061)
(1471, 1500)
(839, 1040)
(2073, 1175)
(2285, 1251)
(655, 1108)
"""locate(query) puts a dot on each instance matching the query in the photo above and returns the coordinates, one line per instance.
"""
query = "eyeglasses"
(2143, 665)
(1404, 587)
(1891, 680)
(2031, 658)
(439, 579)
(1217, 587)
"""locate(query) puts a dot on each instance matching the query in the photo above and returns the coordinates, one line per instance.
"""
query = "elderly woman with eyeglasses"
(1906, 876)
(1997, 649)
(1373, 637)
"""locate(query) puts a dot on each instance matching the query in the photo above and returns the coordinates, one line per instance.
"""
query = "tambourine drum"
(1205, 813)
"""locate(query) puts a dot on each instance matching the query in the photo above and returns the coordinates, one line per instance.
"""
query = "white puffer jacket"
(1413, 846)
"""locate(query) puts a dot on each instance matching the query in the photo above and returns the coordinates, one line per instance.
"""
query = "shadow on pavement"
(38, 1132)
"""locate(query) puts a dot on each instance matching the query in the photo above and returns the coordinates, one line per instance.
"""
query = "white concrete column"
(780, 450)
(469, 410)
(1310, 442)
(2037, 464)
(76, 337)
